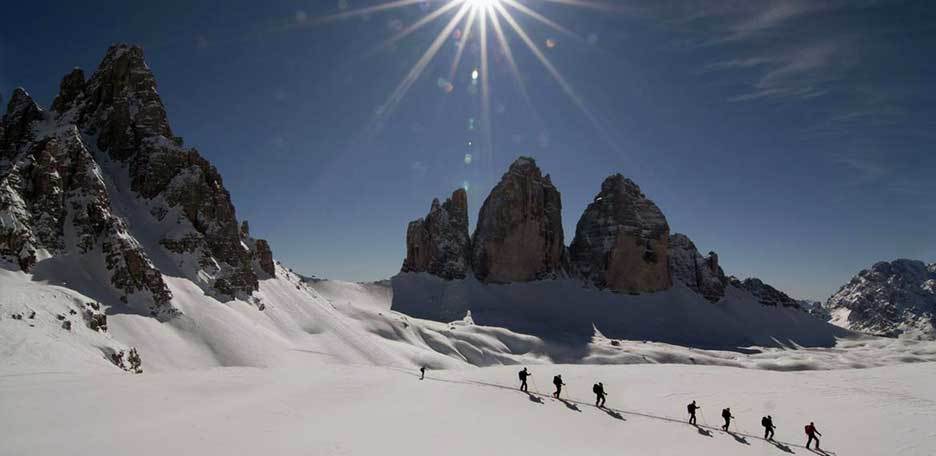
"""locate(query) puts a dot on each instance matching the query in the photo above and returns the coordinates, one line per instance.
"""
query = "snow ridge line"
(620, 411)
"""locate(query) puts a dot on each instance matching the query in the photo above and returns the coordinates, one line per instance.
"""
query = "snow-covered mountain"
(98, 190)
(896, 298)
(624, 273)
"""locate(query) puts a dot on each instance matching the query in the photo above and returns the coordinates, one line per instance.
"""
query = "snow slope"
(348, 323)
(566, 311)
(324, 407)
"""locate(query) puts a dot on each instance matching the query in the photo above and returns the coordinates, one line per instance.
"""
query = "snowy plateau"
(329, 368)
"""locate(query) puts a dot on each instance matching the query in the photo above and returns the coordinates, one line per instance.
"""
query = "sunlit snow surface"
(327, 368)
(348, 323)
(326, 408)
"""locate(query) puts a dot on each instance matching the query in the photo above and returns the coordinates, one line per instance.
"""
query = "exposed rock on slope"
(765, 294)
(519, 235)
(700, 274)
(439, 243)
(105, 166)
(815, 308)
(896, 298)
(621, 242)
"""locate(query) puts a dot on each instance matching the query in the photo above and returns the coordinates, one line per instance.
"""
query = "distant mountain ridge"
(891, 298)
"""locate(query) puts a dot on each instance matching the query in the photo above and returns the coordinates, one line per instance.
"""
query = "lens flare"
(471, 20)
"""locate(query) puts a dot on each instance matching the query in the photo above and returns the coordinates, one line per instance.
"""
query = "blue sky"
(796, 139)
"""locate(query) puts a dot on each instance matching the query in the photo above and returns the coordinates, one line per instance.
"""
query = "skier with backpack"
(812, 432)
(422, 372)
(767, 422)
(523, 380)
(557, 380)
(600, 394)
(726, 414)
(692, 409)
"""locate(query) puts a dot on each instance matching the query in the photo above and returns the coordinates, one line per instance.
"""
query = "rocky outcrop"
(108, 138)
(815, 308)
(701, 274)
(120, 104)
(53, 178)
(896, 298)
(264, 257)
(622, 240)
(764, 293)
(519, 235)
(439, 243)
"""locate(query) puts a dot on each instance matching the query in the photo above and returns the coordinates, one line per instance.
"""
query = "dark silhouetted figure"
(767, 422)
(557, 380)
(692, 409)
(600, 394)
(726, 414)
(422, 372)
(812, 432)
(523, 378)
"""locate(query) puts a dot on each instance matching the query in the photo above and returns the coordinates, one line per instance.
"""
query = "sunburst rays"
(474, 19)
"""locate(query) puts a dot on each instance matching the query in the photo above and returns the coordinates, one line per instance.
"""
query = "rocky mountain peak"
(891, 298)
(519, 233)
(764, 293)
(622, 240)
(20, 102)
(439, 243)
(16, 125)
(701, 274)
(54, 179)
(119, 102)
(70, 88)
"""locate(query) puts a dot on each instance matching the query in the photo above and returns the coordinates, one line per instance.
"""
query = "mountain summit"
(100, 187)
(896, 298)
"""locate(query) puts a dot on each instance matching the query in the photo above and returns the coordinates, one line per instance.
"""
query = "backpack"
(690, 408)
(725, 413)
(596, 389)
(521, 375)
(808, 430)
(763, 421)
(557, 380)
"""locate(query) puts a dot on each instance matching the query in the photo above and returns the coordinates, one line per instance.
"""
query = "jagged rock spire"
(439, 243)
(622, 239)
(701, 274)
(519, 234)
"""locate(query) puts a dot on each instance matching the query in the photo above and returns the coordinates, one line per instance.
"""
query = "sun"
(490, 25)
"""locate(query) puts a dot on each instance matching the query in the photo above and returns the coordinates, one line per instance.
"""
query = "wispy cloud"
(864, 168)
(774, 15)
(749, 62)
(801, 73)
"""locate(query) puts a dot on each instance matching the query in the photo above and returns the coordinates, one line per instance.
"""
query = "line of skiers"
(766, 422)
(601, 396)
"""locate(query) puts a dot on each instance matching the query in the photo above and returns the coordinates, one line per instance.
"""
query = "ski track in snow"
(325, 408)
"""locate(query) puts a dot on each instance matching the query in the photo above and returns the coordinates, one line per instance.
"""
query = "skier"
(692, 408)
(523, 378)
(600, 394)
(812, 432)
(422, 372)
(767, 422)
(726, 414)
(557, 380)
